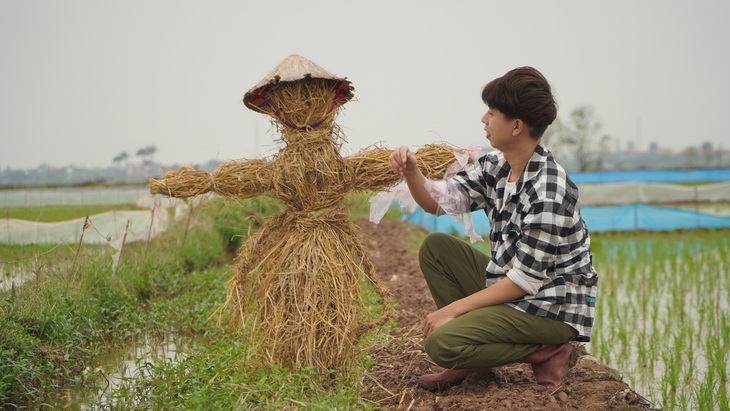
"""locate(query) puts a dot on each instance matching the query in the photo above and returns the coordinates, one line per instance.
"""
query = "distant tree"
(708, 152)
(146, 154)
(580, 138)
(692, 154)
(552, 137)
(121, 157)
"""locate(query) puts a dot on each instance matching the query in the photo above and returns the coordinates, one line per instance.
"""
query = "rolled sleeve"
(529, 284)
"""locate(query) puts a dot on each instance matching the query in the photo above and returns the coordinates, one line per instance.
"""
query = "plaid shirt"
(538, 237)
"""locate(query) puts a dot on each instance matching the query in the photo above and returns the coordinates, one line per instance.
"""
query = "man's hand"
(402, 161)
(436, 319)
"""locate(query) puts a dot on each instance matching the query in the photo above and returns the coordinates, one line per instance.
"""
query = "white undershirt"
(509, 188)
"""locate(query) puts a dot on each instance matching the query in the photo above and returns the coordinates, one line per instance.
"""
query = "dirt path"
(392, 383)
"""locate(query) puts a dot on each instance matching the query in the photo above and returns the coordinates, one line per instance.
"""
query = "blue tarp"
(615, 218)
(655, 176)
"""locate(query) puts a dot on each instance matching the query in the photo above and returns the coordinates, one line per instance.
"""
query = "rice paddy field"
(663, 322)
(663, 315)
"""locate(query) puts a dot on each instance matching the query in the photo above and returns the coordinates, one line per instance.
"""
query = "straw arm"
(232, 180)
(182, 183)
(243, 179)
(435, 159)
(371, 169)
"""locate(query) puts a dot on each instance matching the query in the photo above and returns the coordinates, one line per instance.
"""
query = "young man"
(540, 286)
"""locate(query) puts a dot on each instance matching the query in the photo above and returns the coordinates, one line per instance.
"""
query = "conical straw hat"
(293, 68)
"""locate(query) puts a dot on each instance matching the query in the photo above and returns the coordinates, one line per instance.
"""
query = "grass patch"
(59, 323)
(60, 326)
(52, 214)
(663, 320)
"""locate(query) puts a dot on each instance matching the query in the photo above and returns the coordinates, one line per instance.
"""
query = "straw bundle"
(182, 183)
(242, 179)
(231, 180)
(297, 288)
(370, 168)
(309, 173)
(297, 291)
(435, 159)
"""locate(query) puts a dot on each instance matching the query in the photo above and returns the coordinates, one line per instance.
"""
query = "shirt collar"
(536, 164)
(532, 169)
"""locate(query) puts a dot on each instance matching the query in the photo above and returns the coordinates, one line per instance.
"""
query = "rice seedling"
(662, 315)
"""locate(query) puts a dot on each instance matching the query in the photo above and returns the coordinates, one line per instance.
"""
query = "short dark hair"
(523, 93)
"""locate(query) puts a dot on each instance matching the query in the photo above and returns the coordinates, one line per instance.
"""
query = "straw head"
(295, 68)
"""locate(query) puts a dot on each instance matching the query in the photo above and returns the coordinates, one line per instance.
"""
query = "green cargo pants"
(486, 337)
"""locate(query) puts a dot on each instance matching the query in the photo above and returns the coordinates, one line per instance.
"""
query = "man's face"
(498, 128)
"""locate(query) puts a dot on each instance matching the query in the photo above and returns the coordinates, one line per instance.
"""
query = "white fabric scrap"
(451, 203)
(381, 202)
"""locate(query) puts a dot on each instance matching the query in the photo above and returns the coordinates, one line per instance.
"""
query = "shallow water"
(120, 367)
(14, 276)
(662, 318)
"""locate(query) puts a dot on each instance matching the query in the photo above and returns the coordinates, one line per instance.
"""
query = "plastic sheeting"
(627, 200)
(657, 176)
(613, 218)
(73, 196)
(648, 217)
(105, 228)
(652, 193)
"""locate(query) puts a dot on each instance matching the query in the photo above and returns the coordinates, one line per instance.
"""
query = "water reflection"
(14, 276)
(121, 367)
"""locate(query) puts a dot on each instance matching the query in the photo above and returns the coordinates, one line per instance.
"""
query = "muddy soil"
(392, 382)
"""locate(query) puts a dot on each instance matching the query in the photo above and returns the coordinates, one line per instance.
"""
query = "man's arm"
(501, 292)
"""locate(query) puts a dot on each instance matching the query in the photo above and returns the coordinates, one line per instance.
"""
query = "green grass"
(60, 327)
(60, 213)
(57, 324)
(663, 320)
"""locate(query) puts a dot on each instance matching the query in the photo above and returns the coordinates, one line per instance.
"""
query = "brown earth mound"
(392, 382)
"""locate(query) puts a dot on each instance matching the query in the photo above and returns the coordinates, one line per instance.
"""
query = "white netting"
(105, 228)
(77, 196)
(652, 193)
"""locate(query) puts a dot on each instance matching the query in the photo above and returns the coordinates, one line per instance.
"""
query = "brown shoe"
(550, 363)
(448, 378)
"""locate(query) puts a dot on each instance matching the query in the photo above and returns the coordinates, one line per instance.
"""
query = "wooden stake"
(149, 232)
(121, 247)
(152, 220)
(87, 224)
(187, 226)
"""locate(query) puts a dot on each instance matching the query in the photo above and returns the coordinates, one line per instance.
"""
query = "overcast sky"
(82, 81)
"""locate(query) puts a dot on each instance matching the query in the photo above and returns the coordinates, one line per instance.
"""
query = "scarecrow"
(297, 287)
